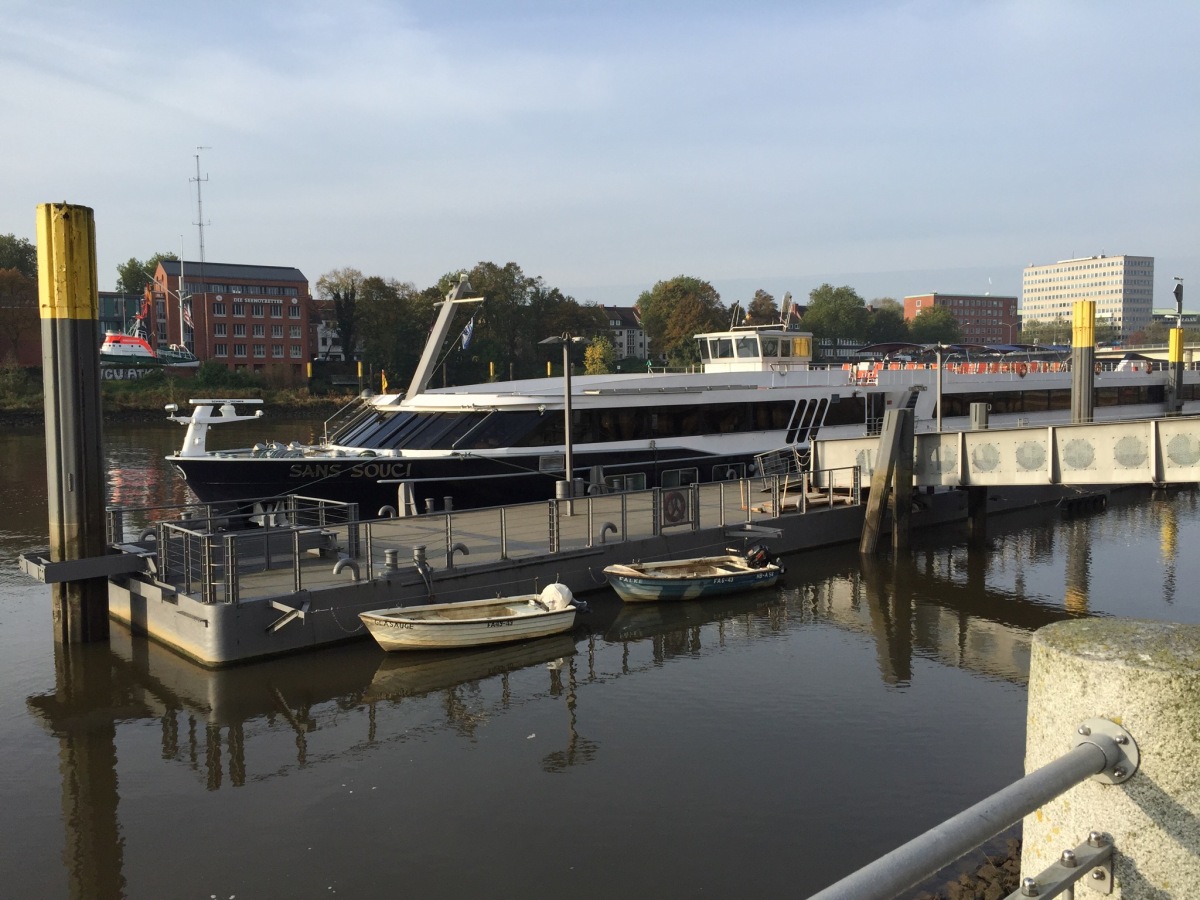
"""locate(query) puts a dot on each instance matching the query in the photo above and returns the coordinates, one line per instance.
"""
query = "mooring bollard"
(1145, 676)
(69, 307)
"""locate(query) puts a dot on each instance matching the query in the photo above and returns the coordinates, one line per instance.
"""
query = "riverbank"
(132, 414)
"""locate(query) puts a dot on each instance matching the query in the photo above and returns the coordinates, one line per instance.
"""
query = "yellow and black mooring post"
(1175, 356)
(69, 308)
(1084, 367)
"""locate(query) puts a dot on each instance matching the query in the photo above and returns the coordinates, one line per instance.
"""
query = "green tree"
(673, 312)
(935, 325)
(886, 322)
(393, 319)
(836, 313)
(518, 312)
(18, 253)
(763, 310)
(134, 274)
(600, 358)
(337, 290)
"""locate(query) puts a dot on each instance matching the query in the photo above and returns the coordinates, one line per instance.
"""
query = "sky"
(895, 147)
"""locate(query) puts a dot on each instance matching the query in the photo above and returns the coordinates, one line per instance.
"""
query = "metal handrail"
(1103, 750)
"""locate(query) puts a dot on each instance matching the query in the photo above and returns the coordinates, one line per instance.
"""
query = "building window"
(239, 309)
(277, 351)
(218, 309)
(256, 310)
(276, 331)
(293, 312)
(276, 311)
(220, 349)
(294, 332)
(260, 331)
(239, 329)
(219, 329)
(295, 351)
(260, 351)
(239, 350)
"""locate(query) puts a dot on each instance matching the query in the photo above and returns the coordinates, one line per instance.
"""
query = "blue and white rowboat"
(689, 579)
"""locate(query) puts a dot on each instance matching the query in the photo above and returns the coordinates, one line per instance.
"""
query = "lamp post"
(566, 339)
(940, 348)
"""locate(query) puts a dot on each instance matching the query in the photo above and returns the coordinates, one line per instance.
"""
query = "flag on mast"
(467, 332)
(187, 315)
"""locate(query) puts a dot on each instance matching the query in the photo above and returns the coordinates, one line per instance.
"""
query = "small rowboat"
(474, 623)
(689, 579)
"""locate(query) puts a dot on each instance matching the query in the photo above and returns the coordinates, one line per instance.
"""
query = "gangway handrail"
(1103, 750)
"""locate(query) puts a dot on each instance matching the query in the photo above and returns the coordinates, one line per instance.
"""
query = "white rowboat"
(474, 623)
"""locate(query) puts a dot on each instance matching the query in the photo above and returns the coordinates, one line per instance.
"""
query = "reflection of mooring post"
(68, 304)
(977, 495)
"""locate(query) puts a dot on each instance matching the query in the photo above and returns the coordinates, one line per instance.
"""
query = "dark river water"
(758, 746)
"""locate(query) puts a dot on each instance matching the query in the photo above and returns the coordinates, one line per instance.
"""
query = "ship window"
(703, 351)
(362, 424)
(849, 410)
(634, 481)
(673, 478)
(747, 348)
(770, 346)
(730, 472)
(442, 429)
(507, 429)
(722, 348)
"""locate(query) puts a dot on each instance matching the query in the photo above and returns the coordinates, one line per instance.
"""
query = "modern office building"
(983, 318)
(244, 317)
(1122, 286)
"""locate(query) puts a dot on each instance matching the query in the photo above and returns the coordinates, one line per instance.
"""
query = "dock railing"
(215, 551)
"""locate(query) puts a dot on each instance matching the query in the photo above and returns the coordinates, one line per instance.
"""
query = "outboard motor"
(758, 556)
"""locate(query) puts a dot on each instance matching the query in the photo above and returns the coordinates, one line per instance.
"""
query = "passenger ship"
(756, 390)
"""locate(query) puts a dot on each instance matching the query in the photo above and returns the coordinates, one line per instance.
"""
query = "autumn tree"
(18, 253)
(338, 290)
(600, 358)
(134, 274)
(673, 312)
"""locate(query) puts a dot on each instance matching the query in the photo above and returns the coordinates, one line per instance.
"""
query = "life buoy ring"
(674, 506)
(1022, 370)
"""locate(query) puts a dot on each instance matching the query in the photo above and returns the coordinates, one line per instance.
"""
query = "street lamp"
(566, 339)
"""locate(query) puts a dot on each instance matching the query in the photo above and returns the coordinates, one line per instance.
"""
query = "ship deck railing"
(269, 547)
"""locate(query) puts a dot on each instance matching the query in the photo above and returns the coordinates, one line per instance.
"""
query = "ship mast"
(200, 225)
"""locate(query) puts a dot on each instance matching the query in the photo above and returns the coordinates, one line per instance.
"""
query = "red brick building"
(984, 319)
(244, 317)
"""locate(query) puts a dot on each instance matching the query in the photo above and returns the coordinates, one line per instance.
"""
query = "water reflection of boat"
(412, 675)
(645, 620)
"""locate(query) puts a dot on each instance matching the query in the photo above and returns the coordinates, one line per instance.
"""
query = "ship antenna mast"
(200, 225)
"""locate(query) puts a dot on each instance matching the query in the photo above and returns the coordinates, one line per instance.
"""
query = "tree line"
(386, 320)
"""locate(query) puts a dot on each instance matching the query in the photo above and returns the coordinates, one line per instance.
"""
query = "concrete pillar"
(1145, 676)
